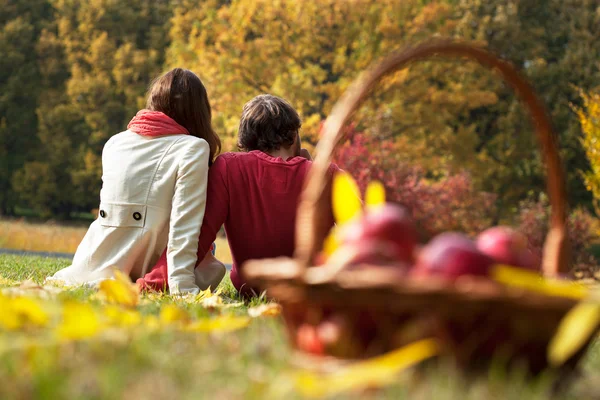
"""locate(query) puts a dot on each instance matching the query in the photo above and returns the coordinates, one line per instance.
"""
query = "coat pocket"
(122, 215)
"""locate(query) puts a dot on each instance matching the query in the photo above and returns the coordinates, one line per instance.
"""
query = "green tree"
(20, 24)
(95, 59)
(555, 44)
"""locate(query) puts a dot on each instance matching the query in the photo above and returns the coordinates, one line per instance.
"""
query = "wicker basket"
(475, 319)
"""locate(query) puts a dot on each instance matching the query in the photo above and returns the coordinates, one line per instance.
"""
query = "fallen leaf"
(29, 311)
(120, 290)
(8, 319)
(265, 310)
(223, 323)
(212, 302)
(376, 372)
(573, 332)
(20, 312)
(121, 317)
(79, 321)
(170, 314)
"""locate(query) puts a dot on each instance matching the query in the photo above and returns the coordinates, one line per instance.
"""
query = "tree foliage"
(589, 116)
(72, 73)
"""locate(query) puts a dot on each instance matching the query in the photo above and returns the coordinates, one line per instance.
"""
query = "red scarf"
(155, 123)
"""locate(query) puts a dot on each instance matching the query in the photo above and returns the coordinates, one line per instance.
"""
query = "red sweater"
(255, 196)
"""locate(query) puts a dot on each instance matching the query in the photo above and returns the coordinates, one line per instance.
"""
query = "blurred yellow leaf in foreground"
(120, 290)
(170, 314)
(19, 312)
(573, 332)
(377, 372)
(80, 321)
(517, 277)
(345, 197)
(118, 316)
(375, 195)
(331, 243)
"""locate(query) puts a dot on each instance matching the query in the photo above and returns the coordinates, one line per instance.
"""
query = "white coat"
(153, 197)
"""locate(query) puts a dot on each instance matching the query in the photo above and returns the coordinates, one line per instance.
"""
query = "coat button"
(102, 213)
(137, 216)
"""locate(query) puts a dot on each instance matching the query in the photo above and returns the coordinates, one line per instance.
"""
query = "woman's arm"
(187, 212)
(217, 210)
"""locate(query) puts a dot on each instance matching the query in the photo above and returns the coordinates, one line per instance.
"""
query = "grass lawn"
(133, 360)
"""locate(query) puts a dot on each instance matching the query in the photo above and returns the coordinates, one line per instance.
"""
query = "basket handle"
(310, 209)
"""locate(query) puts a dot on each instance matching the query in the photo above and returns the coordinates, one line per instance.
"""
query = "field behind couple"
(61, 238)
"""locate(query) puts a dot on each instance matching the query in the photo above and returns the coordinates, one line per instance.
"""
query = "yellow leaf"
(377, 372)
(80, 321)
(346, 198)
(265, 310)
(151, 323)
(8, 318)
(170, 314)
(204, 294)
(517, 277)
(573, 332)
(29, 311)
(122, 317)
(331, 243)
(375, 195)
(19, 312)
(120, 290)
(224, 323)
(214, 301)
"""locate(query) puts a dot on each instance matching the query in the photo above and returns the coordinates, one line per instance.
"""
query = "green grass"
(251, 363)
(19, 268)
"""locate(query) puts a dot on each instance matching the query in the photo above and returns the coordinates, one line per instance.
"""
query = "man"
(254, 193)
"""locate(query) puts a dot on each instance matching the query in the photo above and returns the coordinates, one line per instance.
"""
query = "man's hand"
(304, 153)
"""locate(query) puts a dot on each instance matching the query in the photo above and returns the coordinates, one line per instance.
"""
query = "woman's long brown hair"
(181, 95)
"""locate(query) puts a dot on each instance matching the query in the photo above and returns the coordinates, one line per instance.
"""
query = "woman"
(154, 189)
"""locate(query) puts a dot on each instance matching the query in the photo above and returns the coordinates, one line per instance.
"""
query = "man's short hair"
(268, 123)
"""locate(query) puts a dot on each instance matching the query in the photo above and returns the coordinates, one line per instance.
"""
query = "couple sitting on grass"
(165, 197)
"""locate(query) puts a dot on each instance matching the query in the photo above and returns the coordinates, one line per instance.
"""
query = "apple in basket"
(337, 332)
(368, 253)
(307, 339)
(507, 246)
(450, 255)
(390, 224)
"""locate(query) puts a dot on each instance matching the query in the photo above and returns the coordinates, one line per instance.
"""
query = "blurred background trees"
(73, 73)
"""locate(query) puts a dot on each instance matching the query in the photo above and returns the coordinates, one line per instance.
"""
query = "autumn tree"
(589, 117)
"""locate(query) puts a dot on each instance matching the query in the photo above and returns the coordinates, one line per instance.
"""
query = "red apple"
(336, 333)
(391, 223)
(507, 246)
(308, 340)
(451, 255)
(373, 252)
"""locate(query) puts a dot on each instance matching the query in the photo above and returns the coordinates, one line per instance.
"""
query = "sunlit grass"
(57, 238)
(254, 362)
